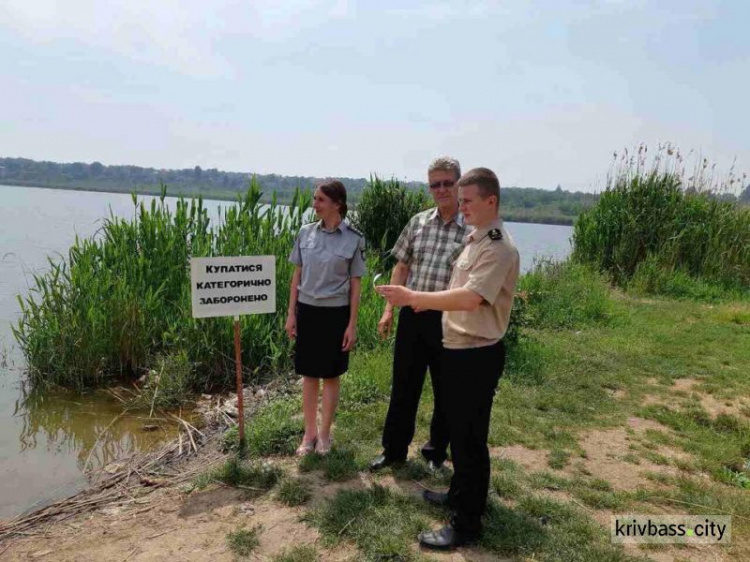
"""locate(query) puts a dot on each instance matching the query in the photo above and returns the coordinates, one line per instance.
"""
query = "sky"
(541, 92)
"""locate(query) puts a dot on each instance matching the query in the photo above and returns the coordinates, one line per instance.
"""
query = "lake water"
(47, 440)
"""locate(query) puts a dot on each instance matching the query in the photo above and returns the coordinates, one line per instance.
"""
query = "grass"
(591, 373)
(305, 553)
(242, 542)
(294, 491)
(337, 466)
(566, 295)
(361, 516)
(558, 458)
(255, 476)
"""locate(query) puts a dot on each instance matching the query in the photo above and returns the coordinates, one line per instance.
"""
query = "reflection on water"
(46, 439)
(95, 427)
(63, 437)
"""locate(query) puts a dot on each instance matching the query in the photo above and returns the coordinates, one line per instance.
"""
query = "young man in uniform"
(425, 251)
(477, 309)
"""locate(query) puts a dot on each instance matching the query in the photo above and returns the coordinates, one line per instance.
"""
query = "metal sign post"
(232, 286)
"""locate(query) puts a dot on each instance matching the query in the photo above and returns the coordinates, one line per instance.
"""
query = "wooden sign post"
(233, 286)
(240, 394)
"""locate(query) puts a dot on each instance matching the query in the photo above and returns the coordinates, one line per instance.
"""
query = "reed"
(120, 304)
(383, 210)
(657, 214)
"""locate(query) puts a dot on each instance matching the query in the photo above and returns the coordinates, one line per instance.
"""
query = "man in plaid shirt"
(425, 250)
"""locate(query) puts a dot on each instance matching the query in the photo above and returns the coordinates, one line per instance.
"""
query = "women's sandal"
(324, 447)
(306, 447)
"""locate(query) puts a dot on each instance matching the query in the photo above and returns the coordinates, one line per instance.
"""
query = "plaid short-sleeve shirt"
(429, 246)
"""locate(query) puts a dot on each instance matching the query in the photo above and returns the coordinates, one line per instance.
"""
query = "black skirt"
(320, 334)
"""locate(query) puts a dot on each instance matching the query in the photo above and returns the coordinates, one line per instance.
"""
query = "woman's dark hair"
(336, 191)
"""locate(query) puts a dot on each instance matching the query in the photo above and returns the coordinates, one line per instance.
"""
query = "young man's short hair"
(485, 180)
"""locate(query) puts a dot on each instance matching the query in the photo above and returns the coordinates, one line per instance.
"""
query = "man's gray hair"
(446, 163)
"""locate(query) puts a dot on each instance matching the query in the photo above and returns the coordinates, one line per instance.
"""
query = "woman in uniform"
(323, 305)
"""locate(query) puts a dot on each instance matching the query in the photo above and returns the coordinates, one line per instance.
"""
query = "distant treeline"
(521, 204)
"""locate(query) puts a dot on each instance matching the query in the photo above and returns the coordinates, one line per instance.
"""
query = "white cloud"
(181, 35)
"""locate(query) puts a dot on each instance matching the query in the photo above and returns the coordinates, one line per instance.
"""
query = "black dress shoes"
(439, 499)
(446, 538)
(381, 461)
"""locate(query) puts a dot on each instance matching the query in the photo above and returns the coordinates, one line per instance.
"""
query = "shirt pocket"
(423, 246)
(342, 257)
(307, 243)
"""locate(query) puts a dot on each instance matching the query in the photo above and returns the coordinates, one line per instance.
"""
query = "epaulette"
(495, 234)
(355, 231)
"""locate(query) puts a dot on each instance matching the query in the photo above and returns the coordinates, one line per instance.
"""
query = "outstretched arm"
(452, 299)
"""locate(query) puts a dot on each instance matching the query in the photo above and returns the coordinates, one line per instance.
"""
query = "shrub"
(683, 225)
(652, 277)
(171, 379)
(383, 210)
(565, 295)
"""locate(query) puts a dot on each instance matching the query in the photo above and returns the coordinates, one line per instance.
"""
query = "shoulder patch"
(354, 230)
(495, 234)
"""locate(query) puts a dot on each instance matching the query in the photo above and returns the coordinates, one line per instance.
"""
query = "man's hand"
(291, 326)
(386, 322)
(350, 338)
(397, 295)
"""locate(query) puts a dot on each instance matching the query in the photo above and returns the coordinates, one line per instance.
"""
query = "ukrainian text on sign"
(232, 286)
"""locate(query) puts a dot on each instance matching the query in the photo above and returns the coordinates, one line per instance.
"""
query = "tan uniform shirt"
(489, 265)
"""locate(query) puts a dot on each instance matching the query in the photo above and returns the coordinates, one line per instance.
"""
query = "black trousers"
(470, 378)
(419, 344)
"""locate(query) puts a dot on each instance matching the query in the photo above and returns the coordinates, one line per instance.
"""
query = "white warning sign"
(233, 286)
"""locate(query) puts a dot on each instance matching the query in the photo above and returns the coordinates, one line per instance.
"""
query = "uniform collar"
(478, 233)
(341, 227)
(458, 217)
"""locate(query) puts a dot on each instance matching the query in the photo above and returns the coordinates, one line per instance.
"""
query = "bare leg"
(330, 401)
(310, 390)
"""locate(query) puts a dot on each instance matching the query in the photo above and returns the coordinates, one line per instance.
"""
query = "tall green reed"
(121, 300)
(655, 211)
(383, 210)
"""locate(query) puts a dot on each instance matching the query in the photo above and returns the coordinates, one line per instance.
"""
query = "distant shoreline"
(508, 216)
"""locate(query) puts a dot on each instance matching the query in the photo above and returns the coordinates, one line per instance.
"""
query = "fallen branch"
(162, 533)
